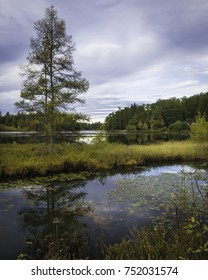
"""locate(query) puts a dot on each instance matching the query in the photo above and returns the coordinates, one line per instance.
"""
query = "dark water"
(40, 218)
(144, 138)
(88, 136)
(33, 137)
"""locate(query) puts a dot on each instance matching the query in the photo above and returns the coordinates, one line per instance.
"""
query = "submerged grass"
(35, 159)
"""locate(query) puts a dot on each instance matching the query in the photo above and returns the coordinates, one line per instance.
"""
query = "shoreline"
(31, 160)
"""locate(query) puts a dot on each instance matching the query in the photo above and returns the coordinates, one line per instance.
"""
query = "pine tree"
(51, 82)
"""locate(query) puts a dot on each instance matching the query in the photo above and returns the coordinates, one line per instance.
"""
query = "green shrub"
(179, 126)
(199, 129)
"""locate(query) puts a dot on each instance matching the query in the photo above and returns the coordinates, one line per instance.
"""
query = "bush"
(179, 126)
(199, 129)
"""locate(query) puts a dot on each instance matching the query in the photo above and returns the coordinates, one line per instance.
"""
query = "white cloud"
(178, 85)
(130, 51)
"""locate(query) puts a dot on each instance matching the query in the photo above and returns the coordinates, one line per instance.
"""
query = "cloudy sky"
(129, 51)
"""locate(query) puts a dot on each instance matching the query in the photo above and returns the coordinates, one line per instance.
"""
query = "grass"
(35, 159)
(158, 243)
(185, 238)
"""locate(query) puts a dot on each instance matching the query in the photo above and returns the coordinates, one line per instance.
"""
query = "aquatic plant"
(181, 233)
(36, 160)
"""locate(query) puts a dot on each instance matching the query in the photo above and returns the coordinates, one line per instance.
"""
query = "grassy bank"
(35, 159)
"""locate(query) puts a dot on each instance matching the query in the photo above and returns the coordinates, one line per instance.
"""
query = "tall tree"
(51, 82)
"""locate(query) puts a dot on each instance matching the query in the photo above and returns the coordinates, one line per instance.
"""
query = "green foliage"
(34, 122)
(179, 126)
(51, 82)
(157, 121)
(100, 138)
(131, 127)
(171, 113)
(199, 129)
(145, 244)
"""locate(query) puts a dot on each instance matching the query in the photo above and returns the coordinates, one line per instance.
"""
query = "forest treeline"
(173, 114)
(35, 122)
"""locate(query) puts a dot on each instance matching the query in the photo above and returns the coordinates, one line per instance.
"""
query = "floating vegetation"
(70, 210)
(149, 195)
(180, 230)
(46, 180)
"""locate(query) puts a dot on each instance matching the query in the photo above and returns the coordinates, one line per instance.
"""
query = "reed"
(36, 159)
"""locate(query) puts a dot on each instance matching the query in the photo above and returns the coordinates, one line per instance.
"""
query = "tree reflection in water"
(51, 221)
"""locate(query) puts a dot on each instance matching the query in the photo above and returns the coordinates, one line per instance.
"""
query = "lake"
(76, 214)
(87, 137)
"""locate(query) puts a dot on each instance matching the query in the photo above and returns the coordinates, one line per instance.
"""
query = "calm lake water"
(88, 136)
(80, 214)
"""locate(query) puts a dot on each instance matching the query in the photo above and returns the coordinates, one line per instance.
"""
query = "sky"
(135, 51)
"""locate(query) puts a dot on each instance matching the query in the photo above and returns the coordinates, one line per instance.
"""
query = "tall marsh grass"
(36, 159)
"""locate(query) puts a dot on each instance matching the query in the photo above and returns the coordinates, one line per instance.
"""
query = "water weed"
(180, 232)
